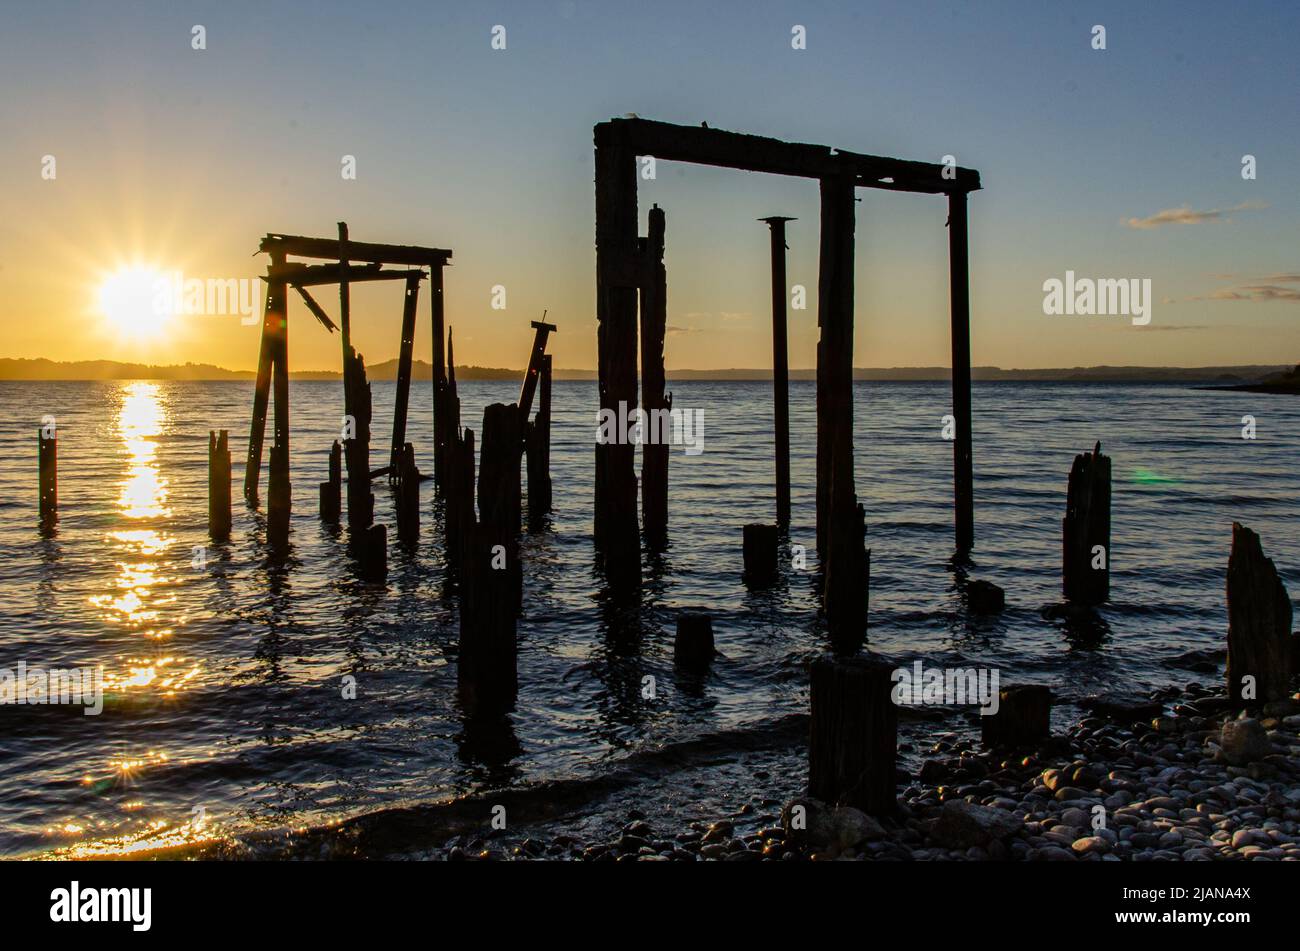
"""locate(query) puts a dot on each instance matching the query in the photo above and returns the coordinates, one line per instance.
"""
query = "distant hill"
(1278, 375)
(1287, 381)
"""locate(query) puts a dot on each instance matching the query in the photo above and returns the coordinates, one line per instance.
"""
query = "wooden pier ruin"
(629, 271)
(349, 262)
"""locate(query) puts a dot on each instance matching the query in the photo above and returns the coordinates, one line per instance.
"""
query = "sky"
(1115, 163)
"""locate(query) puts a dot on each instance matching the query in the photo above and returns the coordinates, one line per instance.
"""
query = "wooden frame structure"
(625, 265)
(350, 262)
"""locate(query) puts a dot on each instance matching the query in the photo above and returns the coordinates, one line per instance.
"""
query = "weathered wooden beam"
(754, 153)
(759, 543)
(361, 501)
(487, 672)
(780, 368)
(279, 490)
(615, 523)
(840, 517)
(654, 398)
(261, 399)
(328, 249)
(538, 447)
(1085, 530)
(1259, 624)
(402, 396)
(331, 501)
(959, 284)
(47, 459)
(314, 275)
(219, 484)
(439, 383)
(317, 311)
(529, 387)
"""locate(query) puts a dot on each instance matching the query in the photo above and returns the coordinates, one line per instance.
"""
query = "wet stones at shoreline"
(1203, 783)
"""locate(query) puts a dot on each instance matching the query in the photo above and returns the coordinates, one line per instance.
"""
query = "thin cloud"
(674, 331)
(1186, 216)
(1271, 287)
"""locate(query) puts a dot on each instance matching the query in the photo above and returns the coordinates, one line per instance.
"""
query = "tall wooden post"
(845, 561)
(780, 369)
(361, 501)
(1085, 530)
(441, 433)
(616, 527)
(657, 404)
(48, 467)
(261, 394)
(539, 450)
(962, 465)
(219, 484)
(402, 396)
(331, 498)
(279, 489)
(499, 502)
(1259, 623)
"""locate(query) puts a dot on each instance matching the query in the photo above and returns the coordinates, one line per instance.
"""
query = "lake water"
(225, 682)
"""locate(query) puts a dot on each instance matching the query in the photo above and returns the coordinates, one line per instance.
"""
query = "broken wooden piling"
(1023, 717)
(361, 501)
(780, 368)
(538, 449)
(656, 402)
(500, 505)
(1086, 530)
(47, 459)
(407, 486)
(370, 548)
(331, 491)
(959, 291)
(693, 645)
(1259, 624)
(219, 484)
(402, 396)
(853, 734)
(760, 551)
(486, 666)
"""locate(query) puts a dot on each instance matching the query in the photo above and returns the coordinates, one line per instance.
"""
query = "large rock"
(1243, 741)
(963, 824)
(811, 822)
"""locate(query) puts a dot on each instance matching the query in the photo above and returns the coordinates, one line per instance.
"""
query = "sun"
(135, 300)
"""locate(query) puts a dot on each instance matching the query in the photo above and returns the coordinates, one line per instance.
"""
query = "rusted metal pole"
(654, 399)
(962, 464)
(780, 369)
(402, 396)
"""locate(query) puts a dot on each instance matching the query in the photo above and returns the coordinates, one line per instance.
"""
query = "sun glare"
(135, 302)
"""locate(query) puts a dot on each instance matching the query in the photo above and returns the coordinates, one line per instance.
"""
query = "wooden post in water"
(535, 357)
(840, 517)
(959, 282)
(47, 457)
(500, 505)
(487, 673)
(219, 484)
(693, 646)
(331, 492)
(1086, 530)
(1023, 718)
(1259, 624)
(853, 737)
(617, 278)
(402, 396)
(261, 390)
(780, 369)
(407, 482)
(279, 489)
(361, 501)
(539, 450)
(442, 433)
(655, 401)
(760, 549)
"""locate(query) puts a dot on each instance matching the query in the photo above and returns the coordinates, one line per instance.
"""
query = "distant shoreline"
(1222, 376)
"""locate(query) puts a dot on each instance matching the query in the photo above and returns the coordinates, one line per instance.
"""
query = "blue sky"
(183, 158)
